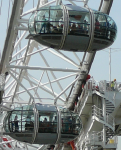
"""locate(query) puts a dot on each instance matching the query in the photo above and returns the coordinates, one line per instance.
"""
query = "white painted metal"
(40, 74)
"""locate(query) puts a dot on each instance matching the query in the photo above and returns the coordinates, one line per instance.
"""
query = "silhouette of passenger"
(97, 25)
(45, 125)
(16, 123)
(48, 25)
(43, 25)
(73, 28)
(85, 26)
(45, 120)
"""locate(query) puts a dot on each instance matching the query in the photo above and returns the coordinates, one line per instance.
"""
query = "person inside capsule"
(43, 25)
(105, 27)
(45, 21)
(78, 24)
(16, 124)
(29, 124)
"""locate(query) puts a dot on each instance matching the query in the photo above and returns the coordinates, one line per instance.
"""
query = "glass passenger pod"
(19, 123)
(72, 33)
(47, 127)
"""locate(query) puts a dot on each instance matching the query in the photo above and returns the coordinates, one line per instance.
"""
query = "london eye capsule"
(72, 28)
(42, 124)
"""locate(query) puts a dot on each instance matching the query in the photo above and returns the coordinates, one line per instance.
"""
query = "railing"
(91, 85)
(97, 112)
(102, 85)
(88, 85)
(106, 85)
(110, 119)
(94, 137)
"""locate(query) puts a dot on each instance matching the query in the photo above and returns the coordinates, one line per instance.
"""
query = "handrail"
(110, 119)
(99, 114)
(103, 85)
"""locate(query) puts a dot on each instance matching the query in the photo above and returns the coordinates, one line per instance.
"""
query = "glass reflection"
(20, 120)
(49, 20)
(79, 23)
(105, 27)
(70, 123)
(47, 122)
(31, 24)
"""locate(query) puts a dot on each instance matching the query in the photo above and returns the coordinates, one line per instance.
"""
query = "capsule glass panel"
(49, 20)
(105, 27)
(77, 124)
(47, 122)
(48, 24)
(31, 24)
(19, 121)
(100, 26)
(79, 23)
(6, 122)
(42, 18)
(56, 20)
(111, 29)
(70, 125)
